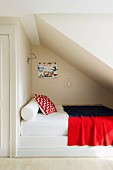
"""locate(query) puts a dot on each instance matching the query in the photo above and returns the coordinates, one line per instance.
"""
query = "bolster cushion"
(30, 111)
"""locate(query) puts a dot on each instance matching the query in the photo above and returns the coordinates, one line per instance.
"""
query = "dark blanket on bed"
(98, 110)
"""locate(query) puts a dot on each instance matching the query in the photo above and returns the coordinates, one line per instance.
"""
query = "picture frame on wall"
(47, 70)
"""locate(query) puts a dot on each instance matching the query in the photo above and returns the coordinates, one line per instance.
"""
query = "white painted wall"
(15, 8)
(24, 73)
(93, 32)
(8, 21)
(24, 50)
(29, 25)
(83, 90)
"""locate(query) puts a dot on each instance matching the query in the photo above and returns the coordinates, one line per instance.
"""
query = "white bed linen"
(55, 124)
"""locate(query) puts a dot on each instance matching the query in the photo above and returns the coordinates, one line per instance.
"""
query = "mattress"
(55, 124)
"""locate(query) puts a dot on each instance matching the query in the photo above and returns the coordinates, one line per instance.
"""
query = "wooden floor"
(56, 164)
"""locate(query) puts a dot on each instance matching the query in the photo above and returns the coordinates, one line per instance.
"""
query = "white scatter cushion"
(30, 111)
(60, 108)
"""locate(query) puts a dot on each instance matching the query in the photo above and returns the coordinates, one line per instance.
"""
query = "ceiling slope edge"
(74, 54)
(29, 25)
(87, 31)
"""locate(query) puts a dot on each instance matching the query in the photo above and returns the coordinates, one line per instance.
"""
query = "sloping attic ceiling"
(93, 32)
(73, 53)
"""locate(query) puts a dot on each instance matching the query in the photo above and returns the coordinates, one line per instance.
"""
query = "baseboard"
(99, 151)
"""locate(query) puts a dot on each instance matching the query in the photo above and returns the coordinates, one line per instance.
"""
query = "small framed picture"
(47, 70)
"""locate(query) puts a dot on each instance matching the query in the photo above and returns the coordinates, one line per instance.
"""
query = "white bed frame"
(56, 146)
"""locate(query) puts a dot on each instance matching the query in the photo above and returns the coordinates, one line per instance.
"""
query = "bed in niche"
(53, 135)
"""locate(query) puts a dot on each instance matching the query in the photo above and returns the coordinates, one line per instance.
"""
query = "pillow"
(60, 108)
(29, 111)
(45, 104)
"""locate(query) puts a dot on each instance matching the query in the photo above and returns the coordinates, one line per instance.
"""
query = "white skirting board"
(65, 152)
(57, 147)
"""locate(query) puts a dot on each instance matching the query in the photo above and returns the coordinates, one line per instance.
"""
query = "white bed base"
(56, 146)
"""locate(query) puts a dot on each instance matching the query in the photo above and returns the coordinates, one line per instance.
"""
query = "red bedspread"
(90, 131)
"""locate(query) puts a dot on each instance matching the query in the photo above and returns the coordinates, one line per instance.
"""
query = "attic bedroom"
(81, 45)
(79, 58)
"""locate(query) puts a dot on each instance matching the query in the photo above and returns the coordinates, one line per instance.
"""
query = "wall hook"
(33, 56)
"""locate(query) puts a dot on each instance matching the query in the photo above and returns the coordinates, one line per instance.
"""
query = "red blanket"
(90, 131)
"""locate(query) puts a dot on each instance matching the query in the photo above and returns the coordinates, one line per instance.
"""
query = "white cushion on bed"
(30, 111)
(60, 108)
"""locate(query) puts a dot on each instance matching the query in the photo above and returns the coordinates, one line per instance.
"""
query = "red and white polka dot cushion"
(45, 104)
